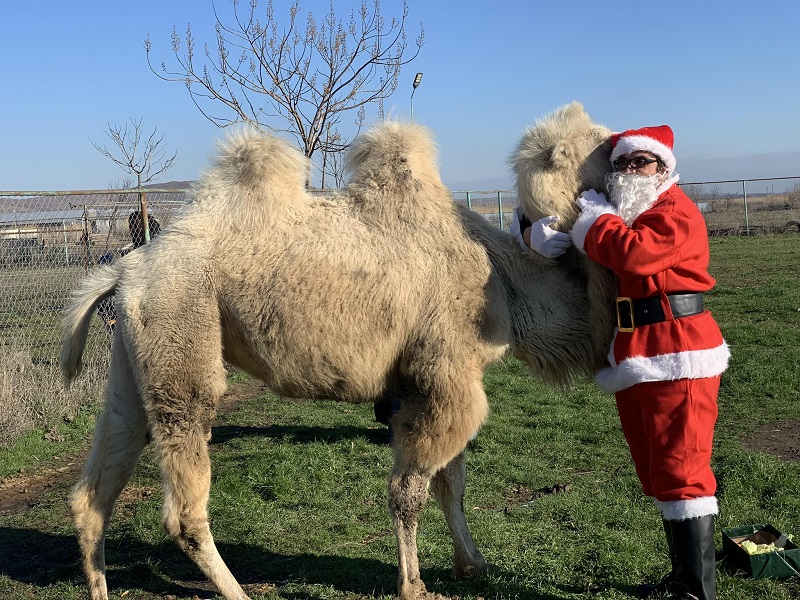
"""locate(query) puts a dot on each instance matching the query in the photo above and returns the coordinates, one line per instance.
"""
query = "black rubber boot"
(694, 569)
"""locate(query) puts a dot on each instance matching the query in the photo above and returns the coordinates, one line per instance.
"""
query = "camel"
(389, 288)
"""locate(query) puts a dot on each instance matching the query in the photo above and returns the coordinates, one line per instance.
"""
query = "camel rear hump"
(253, 171)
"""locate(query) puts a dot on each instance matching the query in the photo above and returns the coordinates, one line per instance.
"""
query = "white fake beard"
(632, 194)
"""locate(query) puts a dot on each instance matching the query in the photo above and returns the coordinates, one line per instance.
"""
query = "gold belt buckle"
(619, 316)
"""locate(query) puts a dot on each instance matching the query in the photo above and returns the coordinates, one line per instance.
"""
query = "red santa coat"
(663, 251)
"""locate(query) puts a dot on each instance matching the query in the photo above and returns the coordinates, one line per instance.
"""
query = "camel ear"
(560, 156)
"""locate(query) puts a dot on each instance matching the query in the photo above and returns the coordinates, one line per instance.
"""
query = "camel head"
(559, 157)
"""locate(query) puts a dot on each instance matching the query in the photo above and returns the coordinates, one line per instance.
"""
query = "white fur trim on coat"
(668, 183)
(680, 510)
(692, 364)
(585, 220)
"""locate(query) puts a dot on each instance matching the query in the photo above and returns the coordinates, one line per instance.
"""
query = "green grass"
(298, 503)
(33, 449)
(32, 302)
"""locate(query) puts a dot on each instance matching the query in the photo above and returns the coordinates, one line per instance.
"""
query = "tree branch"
(292, 81)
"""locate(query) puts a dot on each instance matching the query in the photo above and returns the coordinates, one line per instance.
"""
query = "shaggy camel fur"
(390, 288)
(557, 158)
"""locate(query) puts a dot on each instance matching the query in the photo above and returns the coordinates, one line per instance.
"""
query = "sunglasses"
(635, 163)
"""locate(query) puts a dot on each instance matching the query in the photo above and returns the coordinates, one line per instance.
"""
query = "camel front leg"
(431, 433)
(447, 486)
(408, 494)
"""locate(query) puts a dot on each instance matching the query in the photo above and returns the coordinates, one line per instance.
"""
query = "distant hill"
(170, 185)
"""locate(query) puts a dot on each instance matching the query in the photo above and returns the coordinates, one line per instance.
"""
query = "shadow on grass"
(299, 434)
(45, 559)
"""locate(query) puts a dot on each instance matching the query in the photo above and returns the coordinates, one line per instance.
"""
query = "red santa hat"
(659, 140)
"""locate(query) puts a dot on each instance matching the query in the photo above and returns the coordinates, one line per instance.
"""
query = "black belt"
(635, 313)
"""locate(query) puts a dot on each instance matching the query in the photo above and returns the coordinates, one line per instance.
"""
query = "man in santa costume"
(668, 353)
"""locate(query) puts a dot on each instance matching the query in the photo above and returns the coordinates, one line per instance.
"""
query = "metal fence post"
(86, 240)
(746, 218)
(500, 209)
(66, 248)
(145, 220)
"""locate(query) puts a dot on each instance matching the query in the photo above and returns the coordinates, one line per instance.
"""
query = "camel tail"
(78, 317)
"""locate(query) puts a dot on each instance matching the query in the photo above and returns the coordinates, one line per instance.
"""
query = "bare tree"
(144, 158)
(695, 191)
(713, 196)
(117, 202)
(793, 196)
(125, 183)
(332, 159)
(287, 80)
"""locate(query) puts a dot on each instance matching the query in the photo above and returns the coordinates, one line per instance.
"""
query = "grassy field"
(298, 502)
(32, 302)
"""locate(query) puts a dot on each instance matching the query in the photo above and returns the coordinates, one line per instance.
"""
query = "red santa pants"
(669, 426)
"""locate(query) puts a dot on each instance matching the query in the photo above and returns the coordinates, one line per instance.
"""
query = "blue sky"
(724, 75)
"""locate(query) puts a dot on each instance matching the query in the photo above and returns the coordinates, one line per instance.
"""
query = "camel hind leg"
(186, 471)
(120, 435)
(183, 383)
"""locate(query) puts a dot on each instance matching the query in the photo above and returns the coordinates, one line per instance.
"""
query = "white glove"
(547, 241)
(592, 198)
(515, 228)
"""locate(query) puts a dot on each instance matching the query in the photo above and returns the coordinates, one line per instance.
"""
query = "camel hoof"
(470, 570)
(425, 595)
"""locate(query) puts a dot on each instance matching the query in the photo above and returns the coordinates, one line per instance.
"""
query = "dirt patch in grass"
(23, 490)
(781, 439)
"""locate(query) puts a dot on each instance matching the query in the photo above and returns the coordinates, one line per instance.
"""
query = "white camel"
(389, 288)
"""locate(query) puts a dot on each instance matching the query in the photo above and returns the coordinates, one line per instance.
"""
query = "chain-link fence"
(736, 207)
(751, 207)
(496, 206)
(48, 242)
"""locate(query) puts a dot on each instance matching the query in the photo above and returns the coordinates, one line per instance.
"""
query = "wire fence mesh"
(748, 207)
(48, 242)
(736, 207)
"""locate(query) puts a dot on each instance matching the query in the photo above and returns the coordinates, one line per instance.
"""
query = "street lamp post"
(417, 80)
